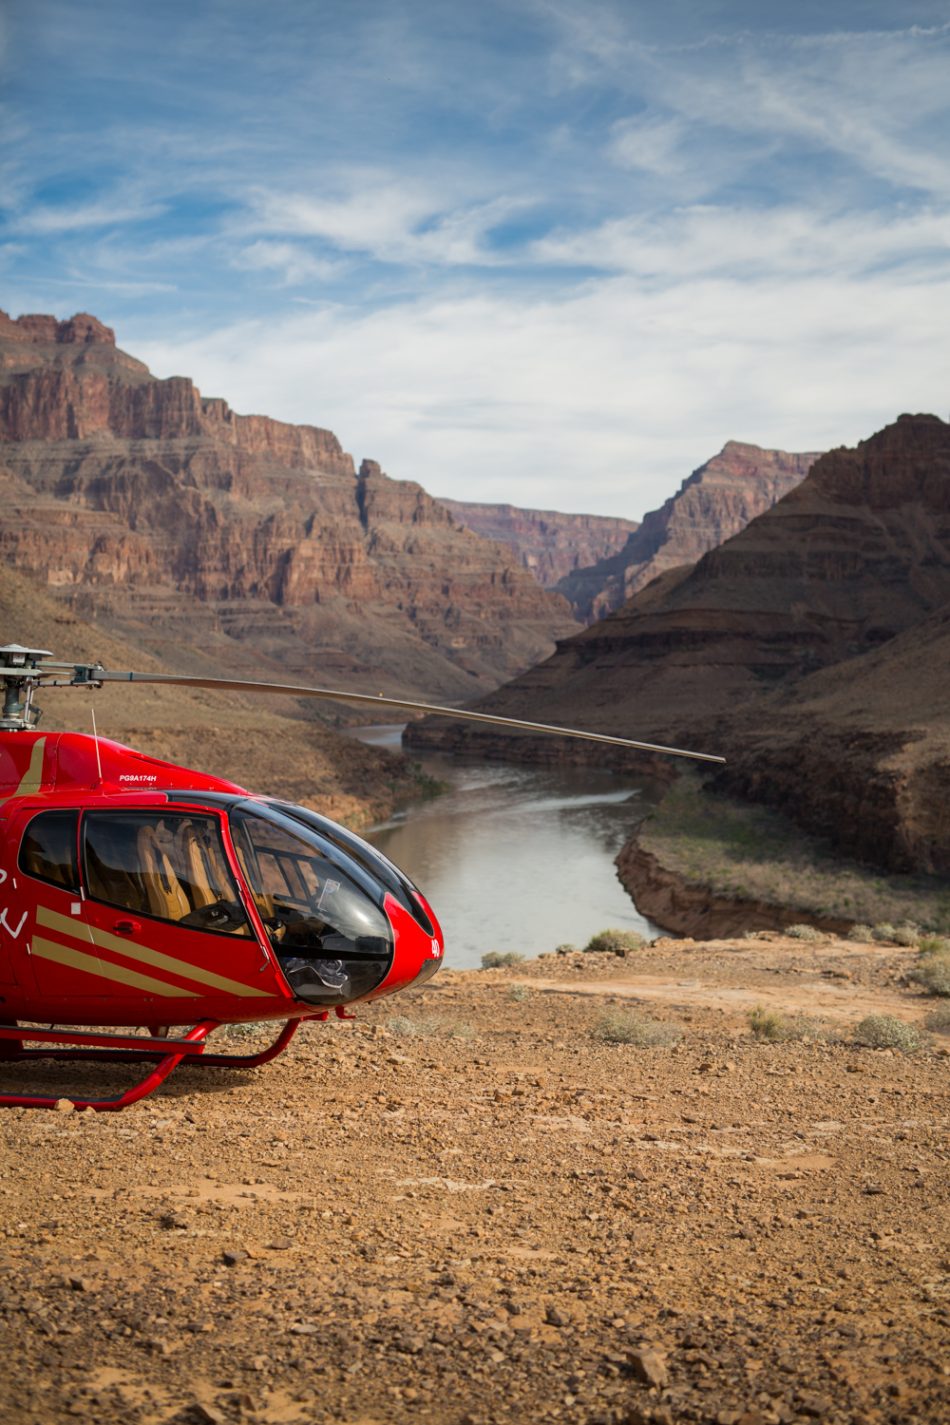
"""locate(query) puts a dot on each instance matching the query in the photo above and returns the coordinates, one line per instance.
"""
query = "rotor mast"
(22, 670)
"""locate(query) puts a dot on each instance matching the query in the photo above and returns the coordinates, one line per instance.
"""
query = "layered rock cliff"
(167, 515)
(549, 544)
(812, 649)
(714, 503)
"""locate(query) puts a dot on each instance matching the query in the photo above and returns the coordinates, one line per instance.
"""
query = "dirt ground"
(465, 1207)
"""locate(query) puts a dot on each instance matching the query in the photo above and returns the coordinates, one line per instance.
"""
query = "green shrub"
(885, 932)
(907, 933)
(933, 973)
(519, 992)
(566, 949)
(934, 945)
(864, 933)
(615, 942)
(499, 960)
(884, 1031)
(629, 1027)
(804, 932)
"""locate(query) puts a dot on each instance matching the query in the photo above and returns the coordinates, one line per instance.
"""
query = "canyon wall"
(812, 649)
(714, 503)
(236, 541)
(549, 544)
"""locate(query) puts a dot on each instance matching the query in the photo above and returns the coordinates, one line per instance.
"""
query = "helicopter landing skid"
(166, 1054)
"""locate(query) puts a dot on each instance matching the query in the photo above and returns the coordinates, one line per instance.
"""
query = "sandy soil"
(465, 1208)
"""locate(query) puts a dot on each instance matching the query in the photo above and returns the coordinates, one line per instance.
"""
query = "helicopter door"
(61, 950)
(166, 914)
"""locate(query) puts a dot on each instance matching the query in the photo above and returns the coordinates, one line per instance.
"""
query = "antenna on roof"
(95, 736)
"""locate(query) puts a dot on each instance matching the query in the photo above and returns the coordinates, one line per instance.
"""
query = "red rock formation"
(549, 544)
(850, 574)
(136, 497)
(712, 505)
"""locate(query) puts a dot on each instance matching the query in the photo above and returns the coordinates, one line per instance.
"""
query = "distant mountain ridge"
(168, 517)
(712, 504)
(550, 545)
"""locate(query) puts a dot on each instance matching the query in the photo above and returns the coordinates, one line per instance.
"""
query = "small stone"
(233, 1255)
(649, 1366)
(554, 1317)
(280, 1244)
(64, 1105)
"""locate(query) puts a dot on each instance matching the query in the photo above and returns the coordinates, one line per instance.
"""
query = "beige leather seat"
(162, 886)
(195, 861)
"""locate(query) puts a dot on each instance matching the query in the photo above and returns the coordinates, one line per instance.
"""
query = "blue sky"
(555, 252)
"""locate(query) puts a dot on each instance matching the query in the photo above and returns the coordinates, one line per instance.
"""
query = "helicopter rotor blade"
(403, 704)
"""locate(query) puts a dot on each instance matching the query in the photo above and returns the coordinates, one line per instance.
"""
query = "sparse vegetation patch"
(619, 1026)
(749, 852)
(932, 972)
(501, 959)
(770, 1026)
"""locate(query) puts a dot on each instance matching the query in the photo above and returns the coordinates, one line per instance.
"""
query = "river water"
(514, 857)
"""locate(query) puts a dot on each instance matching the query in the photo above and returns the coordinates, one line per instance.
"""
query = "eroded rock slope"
(169, 517)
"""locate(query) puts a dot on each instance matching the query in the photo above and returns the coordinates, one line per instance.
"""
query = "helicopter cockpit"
(322, 912)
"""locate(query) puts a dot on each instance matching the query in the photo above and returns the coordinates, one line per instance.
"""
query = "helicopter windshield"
(333, 943)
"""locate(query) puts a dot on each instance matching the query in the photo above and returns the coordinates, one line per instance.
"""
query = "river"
(515, 858)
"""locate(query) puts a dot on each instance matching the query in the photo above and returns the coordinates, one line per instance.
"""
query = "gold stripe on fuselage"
(92, 965)
(32, 780)
(185, 969)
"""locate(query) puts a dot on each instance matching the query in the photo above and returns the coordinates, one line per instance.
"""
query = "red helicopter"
(134, 892)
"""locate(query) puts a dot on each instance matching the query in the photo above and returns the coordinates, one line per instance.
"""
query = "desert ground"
(466, 1206)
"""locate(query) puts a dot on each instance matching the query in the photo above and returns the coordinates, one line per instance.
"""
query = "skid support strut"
(164, 1054)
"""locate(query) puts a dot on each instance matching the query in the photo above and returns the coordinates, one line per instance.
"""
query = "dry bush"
(770, 1026)
(932, 972)
(614, 942)
(884, 1031)
(501, 959)
(863, 933)
(621, 1026)
(804, 932)
(939, 1019)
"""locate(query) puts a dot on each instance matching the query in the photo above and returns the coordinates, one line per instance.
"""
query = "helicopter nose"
(417, 953)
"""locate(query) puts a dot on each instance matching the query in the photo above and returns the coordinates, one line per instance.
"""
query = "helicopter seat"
(108, 878)
(166, 896)
(193, 857)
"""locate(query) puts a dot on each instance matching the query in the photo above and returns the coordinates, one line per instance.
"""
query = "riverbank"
(471, 1206)
(703, 864)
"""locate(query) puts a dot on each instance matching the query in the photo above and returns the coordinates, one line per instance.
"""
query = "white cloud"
(45, 220)
(291, 263)
(601, 401)
(390, 217)
(785, 242)
(651, 142)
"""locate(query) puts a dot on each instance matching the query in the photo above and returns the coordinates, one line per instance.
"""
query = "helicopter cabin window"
(163, 864)
(48, 851)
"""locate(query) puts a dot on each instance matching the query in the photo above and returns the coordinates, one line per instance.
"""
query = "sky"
(551, 252)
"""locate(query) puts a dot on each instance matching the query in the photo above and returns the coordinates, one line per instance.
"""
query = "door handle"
(127, 927)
